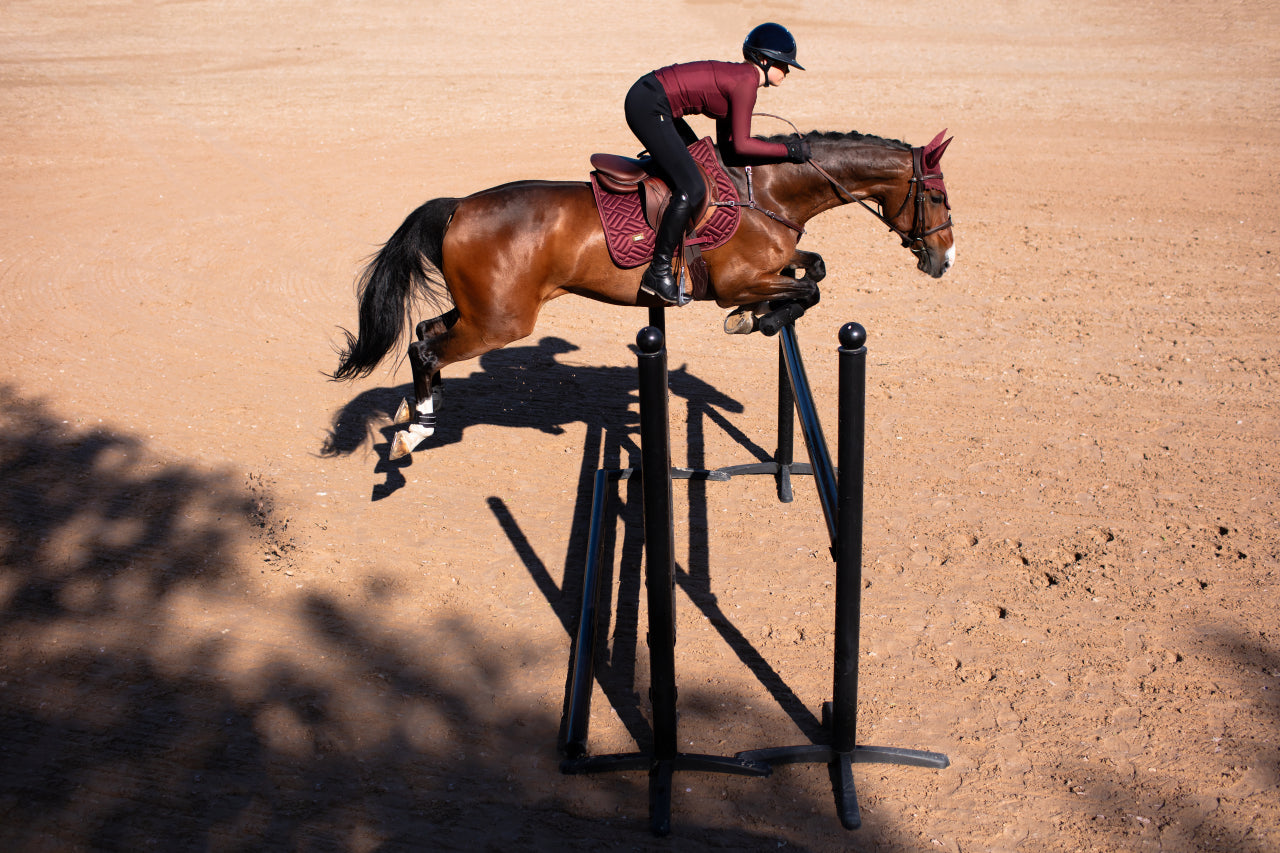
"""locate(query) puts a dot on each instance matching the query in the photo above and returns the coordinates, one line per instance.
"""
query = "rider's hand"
(797, 150)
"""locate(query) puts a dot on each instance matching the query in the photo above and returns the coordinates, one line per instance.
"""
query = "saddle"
(631, 200)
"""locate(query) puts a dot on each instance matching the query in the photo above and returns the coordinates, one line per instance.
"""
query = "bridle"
(913, 239)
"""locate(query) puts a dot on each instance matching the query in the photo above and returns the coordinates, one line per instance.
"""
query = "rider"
(725, 91)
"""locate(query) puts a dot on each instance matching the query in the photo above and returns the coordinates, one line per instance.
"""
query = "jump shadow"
(527, 387)
(521, 387)
(695, 578)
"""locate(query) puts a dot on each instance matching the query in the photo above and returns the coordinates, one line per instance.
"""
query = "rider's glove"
(797, 150)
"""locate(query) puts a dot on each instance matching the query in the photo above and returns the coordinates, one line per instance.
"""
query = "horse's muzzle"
(933, 263)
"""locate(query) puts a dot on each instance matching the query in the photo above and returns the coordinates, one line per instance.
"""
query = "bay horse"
(487, 263)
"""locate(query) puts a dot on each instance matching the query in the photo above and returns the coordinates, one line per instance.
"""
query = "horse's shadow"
(516, 387)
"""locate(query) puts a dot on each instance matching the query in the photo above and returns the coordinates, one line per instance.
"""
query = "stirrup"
(680, 299)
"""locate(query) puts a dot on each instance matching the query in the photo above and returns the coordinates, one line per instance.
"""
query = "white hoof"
(407, 440)
(744, 319)
(740, 322)
(404, 414)
(399, 447)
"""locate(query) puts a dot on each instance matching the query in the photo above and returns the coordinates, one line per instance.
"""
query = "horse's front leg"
(815, 269)
(781, 310)
(785, 299)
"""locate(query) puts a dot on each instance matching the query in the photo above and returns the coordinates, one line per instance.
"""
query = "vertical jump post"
(664, 760)
(840, 492)
(842, 503)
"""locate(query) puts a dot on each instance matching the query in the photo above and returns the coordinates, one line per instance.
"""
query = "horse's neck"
(868, 170)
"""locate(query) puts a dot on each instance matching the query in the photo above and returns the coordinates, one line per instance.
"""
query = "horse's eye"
(936, 198)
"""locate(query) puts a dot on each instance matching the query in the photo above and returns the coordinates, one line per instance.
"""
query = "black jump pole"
(841, 495)
(810, 427)
(584, 646)
(582, 676)
(659, 547)
(850, 444)
(785, 455)
(665, 759)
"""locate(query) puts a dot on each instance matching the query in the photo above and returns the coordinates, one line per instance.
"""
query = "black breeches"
(649, 117)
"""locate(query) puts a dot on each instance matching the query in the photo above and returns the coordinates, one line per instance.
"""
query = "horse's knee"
(805, 292)
(816, 269)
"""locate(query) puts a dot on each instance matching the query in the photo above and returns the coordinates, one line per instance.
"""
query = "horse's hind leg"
(448, 341)
(427, 382)
(428, 390)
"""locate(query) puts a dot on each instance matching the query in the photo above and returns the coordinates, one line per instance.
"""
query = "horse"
(487, 263)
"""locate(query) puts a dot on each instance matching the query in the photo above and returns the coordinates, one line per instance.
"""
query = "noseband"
(913, 239)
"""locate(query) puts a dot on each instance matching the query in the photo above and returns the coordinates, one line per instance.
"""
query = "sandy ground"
(227, 622)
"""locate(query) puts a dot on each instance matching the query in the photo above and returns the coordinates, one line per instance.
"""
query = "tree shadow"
(148, 702)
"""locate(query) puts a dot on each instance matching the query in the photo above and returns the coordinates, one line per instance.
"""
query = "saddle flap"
(628, 176)
(628, 213)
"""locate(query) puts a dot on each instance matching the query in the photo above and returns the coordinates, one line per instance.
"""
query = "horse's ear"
(933, 151)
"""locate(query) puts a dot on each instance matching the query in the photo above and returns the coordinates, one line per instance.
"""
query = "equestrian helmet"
(770, 44)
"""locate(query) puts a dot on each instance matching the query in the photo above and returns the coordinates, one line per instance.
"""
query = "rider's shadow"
(523, 387)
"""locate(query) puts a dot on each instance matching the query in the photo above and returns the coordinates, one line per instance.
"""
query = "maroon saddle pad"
(630, 237)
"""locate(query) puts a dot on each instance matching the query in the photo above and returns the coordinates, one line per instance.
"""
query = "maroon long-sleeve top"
(725, 91)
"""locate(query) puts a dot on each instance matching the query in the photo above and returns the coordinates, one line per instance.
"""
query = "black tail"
(408, 265)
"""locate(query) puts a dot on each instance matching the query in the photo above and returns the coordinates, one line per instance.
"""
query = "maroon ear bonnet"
(931, 157)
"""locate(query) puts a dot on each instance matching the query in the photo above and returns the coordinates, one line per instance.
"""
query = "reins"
(913, 239)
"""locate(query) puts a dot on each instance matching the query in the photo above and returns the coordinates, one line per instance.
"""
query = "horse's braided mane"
(851, 136)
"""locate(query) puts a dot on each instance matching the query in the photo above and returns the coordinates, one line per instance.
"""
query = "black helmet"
(770, 44)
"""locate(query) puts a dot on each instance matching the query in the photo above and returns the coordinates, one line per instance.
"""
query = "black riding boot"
(659, 279)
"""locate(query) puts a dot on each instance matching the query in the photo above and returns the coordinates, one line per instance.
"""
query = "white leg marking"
(406, 440)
